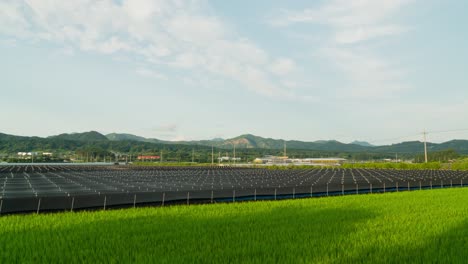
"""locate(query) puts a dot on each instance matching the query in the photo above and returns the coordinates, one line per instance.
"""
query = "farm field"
(420, 226)
(57, 188)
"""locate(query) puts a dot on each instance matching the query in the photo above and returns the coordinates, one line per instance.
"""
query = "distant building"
(272, 160)
(321, 161)
(27, 154)
(143, 157)
(221, 159)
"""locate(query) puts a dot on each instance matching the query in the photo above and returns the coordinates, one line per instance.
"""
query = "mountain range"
(246, 141)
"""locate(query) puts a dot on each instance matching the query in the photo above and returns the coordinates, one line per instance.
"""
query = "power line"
(447, 131)
(425, 146)
(395, 138)
(419, 134)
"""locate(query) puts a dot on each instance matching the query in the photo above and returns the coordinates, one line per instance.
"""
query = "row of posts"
(255, 194)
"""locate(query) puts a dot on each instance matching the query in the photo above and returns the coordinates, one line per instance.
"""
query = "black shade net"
(45, 188)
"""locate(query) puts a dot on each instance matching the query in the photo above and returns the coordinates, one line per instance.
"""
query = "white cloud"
(369, 76)
(350, 25)
(140, 9)
(149, 73)
(363, 33)
(283, 66)
(183, 35)
(430, 116)
(343, 13)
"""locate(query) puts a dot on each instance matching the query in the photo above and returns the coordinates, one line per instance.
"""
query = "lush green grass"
(461, 164)
(420, 226)
(393, 165)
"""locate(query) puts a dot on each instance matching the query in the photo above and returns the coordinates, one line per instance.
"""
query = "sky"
(381, 71)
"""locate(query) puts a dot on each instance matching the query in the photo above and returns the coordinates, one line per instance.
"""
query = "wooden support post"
(342, 189)
(311, 191)
(357, 188)
(134, 201)
(233, 195)
(294, 193)
(188, 198)
(275, 193)
(397, 187)
(73, 204)
(327, 189)
(370, 187)
(384, 187)
(420, 186)
(408, 186)
(451, 183)
(255, 195)
(212, 196)
(164, 198)
(1, 206)
(431, 185)
(105, 201)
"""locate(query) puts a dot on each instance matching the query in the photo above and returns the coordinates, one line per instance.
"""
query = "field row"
(75, 187)
(404, 227)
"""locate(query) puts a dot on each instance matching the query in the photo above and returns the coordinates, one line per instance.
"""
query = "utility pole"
(161, 157)
(212, 155)
(425, 146)
(234, 154)
(193, 151)
(284, 154)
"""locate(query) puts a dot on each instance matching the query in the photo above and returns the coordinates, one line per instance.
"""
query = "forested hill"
(249, 141)
(131, 143)
(86, 136)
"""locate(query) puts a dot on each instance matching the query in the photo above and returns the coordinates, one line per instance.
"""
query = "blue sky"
(381, 71)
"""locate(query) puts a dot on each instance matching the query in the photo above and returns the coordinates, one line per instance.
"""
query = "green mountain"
(85, 136)
(249, 141)
(459, 145)
(404, 147)
(250, 145)
(130, 137)
(120, 137)
(362, 143)
(93, 144)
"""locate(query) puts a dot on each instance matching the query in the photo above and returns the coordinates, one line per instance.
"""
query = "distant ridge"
(120, 137)
(250, 141)
(362, 143)
(72, 141)
(85, 136)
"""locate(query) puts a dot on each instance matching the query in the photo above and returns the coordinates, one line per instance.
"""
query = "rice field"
(419, 226)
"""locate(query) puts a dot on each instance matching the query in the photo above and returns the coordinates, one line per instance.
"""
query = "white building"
(307, 161)
(222, 159)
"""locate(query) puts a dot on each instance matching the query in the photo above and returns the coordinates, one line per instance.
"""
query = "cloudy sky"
(375, 70)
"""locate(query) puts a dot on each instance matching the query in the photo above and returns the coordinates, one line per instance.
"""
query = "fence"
(125, 200)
